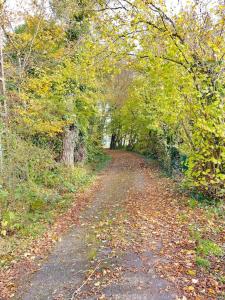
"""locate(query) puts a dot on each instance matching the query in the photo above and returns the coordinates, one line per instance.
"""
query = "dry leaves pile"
(165, 219)
(159, 219)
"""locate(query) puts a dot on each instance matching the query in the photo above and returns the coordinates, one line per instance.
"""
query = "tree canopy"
(149, 76)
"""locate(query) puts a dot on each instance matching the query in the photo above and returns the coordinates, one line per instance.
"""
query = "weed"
(36, 204)
(192, 203)
(182, 217)
(207, 247)
(202, 262)
(92, 254)
(195, 232)
(222, 279)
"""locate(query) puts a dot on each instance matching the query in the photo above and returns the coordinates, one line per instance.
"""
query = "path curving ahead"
(106, 256)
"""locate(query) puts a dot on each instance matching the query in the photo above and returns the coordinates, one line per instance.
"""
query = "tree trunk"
(3, 95)
(113, 142)
(2, 76)
(80, 153)
(71, 136)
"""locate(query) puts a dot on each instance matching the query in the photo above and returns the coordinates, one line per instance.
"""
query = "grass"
(100, 162)
(192, 203)
(206, 228)
(92, 254)
(208, 247)
(202, 262)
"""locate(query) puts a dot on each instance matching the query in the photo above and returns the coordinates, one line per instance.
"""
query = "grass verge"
(37, 205)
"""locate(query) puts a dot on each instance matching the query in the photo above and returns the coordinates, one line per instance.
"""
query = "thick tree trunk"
(74, 150)
(80, 153)
(71, 137)
(113, 142)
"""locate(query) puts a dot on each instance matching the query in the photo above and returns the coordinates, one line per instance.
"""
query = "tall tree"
(2, 85)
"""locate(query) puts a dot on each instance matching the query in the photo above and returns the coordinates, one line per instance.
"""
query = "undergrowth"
(37, 203)
(206, 225)
(205, 219)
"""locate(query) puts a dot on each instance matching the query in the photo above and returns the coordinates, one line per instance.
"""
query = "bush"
(64, 179)
(37, 201)
(206, 163)
(9, 223)
(25, 162)
(162, 145)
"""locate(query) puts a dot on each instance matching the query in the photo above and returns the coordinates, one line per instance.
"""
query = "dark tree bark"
(113, 142)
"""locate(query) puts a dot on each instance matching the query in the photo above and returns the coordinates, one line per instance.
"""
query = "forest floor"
(129, 237)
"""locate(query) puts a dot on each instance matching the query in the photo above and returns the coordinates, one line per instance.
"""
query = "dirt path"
(111, 254)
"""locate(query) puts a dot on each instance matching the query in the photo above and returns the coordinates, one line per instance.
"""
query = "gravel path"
(64, 275)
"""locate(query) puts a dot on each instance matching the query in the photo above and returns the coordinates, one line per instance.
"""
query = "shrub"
(9, 223)
(25, 162)
(206, 162)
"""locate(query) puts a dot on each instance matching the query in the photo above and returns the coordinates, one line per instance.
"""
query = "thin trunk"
(3, 100)
(124, 141)
(2, 75)
(188, 135)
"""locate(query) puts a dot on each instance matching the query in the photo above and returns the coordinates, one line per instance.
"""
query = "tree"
(190, 42)
(2, 93)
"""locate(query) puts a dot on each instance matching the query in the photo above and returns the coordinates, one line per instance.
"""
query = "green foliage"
(100, 162)
(92, 254)
(3, 197)
(222, 279)
(173, 108)
(195, 232)
(37, 205)
(25, 161)
(32, 200)
(202, 262)
(9, 223)
(192, 203)
(207, 247)
(75, 68)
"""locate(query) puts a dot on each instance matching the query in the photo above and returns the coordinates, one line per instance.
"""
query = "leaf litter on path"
(138, 242)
